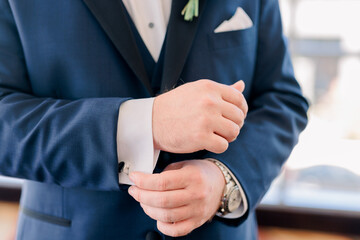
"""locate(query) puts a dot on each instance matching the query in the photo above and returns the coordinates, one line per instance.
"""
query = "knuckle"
(181, 233)
(173, 230)
(237, 130)
(146, 210)
(161, 228)
(241, 124)
(246, 110)
(205, 83)
(222, 147)
(242, 115)
(246, 107)
(234, 132)
(236, 99)
(167, 230)
(138, 195)
(208, 102)
(241, 119)
(237, 118)
(163, 202)
(162, 183)
(202, 195)
(175, 233)
(186, 230)
(140, 182)
(167, 217)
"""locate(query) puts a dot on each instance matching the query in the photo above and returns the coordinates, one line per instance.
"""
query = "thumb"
(239, 85)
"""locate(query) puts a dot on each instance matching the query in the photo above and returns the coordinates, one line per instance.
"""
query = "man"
(78, 116)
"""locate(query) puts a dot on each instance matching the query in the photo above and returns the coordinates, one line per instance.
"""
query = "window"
(323, 171)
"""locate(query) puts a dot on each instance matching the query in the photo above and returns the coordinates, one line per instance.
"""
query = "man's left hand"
(181, 198)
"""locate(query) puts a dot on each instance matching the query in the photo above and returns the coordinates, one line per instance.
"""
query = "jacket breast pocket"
(231, 39)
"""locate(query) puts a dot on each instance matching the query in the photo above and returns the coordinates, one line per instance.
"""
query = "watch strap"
(229, 185)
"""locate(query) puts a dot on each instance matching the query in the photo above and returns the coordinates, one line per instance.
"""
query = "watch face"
(234, 199)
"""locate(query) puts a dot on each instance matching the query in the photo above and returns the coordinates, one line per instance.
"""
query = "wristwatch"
(231, 199)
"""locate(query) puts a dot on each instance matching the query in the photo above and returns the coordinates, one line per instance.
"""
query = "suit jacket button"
(152, 235)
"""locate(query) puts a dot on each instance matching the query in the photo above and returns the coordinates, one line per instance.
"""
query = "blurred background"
(319, 188)
(317, 196)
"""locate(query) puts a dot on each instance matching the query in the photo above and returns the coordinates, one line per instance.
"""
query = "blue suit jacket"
(66, 67)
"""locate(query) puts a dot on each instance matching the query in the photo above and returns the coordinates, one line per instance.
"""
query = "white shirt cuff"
(244, 204)
(135, 147)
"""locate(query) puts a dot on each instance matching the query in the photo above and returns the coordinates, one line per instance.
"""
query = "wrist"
(219, 174)
(220, 179)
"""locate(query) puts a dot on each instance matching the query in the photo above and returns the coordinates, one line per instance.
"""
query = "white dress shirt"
(151, 18)
(134, 135)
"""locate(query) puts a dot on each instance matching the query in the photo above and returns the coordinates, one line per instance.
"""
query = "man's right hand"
(199, 115)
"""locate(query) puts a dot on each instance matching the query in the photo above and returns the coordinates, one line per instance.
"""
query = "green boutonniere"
(191, 10)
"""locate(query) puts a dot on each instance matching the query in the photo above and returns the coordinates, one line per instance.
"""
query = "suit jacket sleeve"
(70, 143)
(277, 112)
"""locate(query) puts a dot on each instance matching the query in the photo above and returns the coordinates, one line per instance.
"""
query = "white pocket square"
(239, 21)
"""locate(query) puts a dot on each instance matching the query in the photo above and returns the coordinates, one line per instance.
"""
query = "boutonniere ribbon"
(191, 10)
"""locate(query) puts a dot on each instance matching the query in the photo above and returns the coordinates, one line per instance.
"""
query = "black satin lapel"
(112, 17)
(180, 37)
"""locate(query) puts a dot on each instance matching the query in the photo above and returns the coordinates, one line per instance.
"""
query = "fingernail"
(132, 176)
(131, 191)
